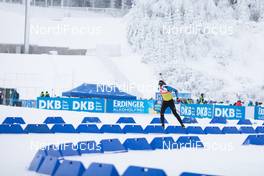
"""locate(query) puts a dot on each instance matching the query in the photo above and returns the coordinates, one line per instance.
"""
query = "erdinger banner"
(210, 111)
(129, 106)
(71, 104)
(259, 113)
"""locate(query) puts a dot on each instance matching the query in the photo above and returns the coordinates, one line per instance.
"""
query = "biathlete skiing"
(167, 101)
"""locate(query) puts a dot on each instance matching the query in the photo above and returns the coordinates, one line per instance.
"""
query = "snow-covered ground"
(222, 155)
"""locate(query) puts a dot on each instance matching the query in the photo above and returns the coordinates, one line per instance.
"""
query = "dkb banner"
(259, 113)
(71, 104)
(129, 106)
(196, 110)
(210, 111)
(229, 112)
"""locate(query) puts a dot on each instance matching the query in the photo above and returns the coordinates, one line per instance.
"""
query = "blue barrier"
(126, 120)
(49, 165)
(53, 120)
(37, 128)
(71, 104)
(91, 120)
(69, 149)
(189, 142)
(14, 120)
(212, 130)
(53, 150)
(36, 162)
(11, 129)
(97, 169)
(70, 168)
(163, 143)
(157, 121)
(197, 110)
(193, 174)
(220, 120)
(254, 140)
(244, 122)
(112, 145)
(63, 128)
(247, 129)
(260, 129)
(87, 128)
(154, 129)
(230, 130)
(143, 171)
(137, 144)
(111, 129)
(133, 129)
(194, 130)
(176, 130)
(189, 120)
(86, 147)
(259, 113)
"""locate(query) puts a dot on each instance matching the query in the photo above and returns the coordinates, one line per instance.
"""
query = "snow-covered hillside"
(212, 46)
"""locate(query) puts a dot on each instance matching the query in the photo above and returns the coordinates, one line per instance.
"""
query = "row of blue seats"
(125, 120)
(53, 166)
(46, 161)
(106, 128)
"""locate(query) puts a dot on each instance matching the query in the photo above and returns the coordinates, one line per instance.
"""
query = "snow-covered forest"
(210, 46)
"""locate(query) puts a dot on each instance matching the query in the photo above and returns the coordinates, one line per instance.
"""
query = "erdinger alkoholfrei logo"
(128, 104)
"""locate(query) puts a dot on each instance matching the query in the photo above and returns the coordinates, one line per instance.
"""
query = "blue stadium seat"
(230, 130)
(189, 142)
(37, 128)
(254, 140)
(212, 130)
(11, 129)
(99, 169)
(260, 129)
(176, 130)
(36, 162)
(156, 120)
(219, 120)
(49, 165)
(244, 122)
(54, 120)
(163, 143)
(111, 129)
(137, 144)
(193, 174)
(86, 147)
(112, 145)
(126, 120)
(247, 129)
(133, 129)
(91, 120)
(154, 129)
(194, 130)
(53, 150)
(69, 149)
(70, 168)
(189, 120)
(88, 128)
(143, 171)
(63, 128)
(14, 120)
